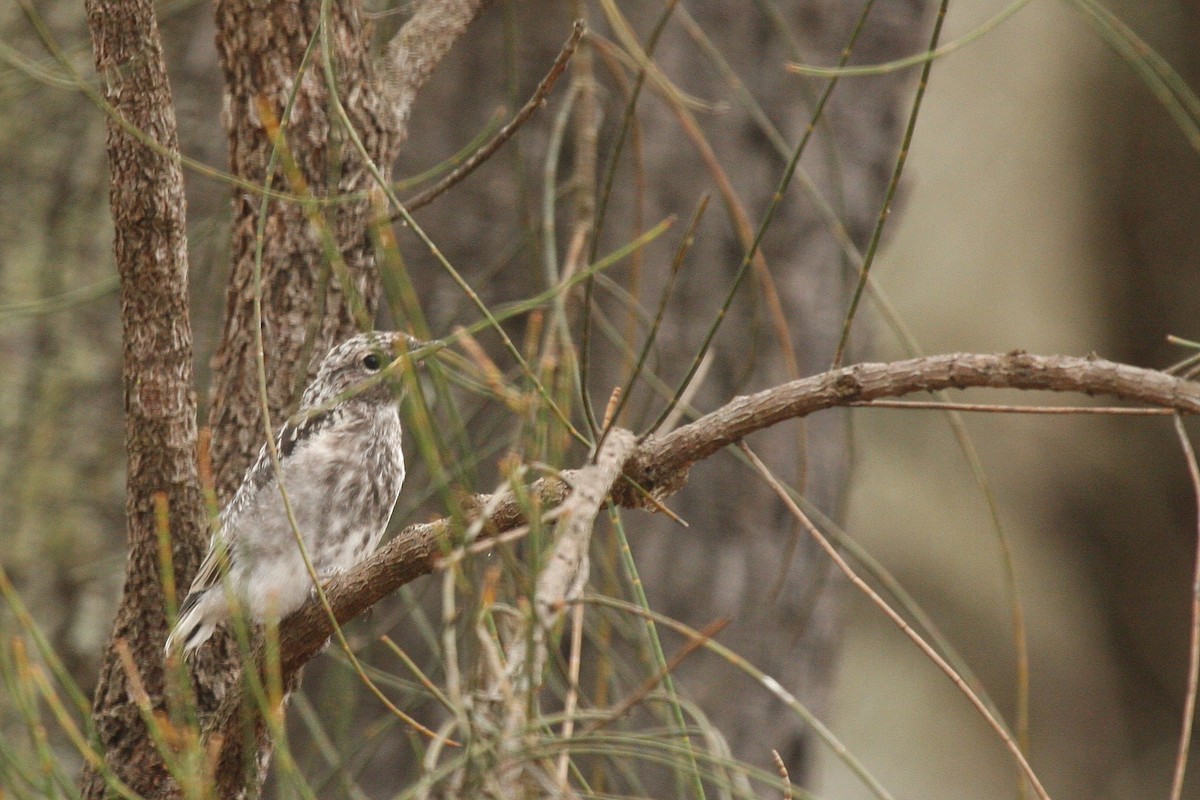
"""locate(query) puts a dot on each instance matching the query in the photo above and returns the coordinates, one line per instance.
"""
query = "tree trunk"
(318, 274)
(305, 303)
(304, 306)
(148, 212)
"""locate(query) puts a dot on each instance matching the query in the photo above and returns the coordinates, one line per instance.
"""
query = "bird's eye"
(372, 361)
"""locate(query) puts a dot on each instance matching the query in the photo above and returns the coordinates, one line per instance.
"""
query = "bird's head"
(353, 369)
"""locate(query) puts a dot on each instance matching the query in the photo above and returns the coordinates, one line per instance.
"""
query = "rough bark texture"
(318, 274)
(148, 212)
(305, 306)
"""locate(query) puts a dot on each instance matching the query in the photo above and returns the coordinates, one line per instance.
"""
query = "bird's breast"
(364, 483)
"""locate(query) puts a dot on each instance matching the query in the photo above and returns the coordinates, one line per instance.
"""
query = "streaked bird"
(342, 469)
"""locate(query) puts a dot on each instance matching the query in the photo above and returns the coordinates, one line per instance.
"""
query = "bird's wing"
(222, 550)
(215, 564)
(301, 427)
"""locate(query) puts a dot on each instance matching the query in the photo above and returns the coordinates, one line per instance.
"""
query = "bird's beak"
(403, 343)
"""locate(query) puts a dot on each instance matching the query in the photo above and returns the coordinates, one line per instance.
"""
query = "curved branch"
(864, 382)
(660, 463)
(659, 466)
(409, 58)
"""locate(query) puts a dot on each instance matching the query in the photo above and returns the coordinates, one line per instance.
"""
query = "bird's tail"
(198, 618)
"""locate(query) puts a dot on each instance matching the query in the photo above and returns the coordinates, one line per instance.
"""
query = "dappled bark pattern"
(305, 306)
(310, 296)
(160, 406)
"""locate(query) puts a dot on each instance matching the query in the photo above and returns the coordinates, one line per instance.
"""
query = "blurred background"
(1051, 206)
(1049, 203)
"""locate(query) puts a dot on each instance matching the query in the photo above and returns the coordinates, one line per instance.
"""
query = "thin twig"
(568, 726)
(752, 241)
(535, 102)
(410, 57)
(995, 408)
(685, 244)
(767, 682)
(642, 692)
(890, 193)
(682, 400)
(586, 130)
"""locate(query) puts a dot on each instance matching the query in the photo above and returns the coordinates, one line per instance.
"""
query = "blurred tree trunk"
(741, 556)
(1145, 191)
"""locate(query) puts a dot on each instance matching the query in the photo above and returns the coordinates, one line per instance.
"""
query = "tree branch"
(561, 581)
(667, 455)
(659, 465)
(410, 57)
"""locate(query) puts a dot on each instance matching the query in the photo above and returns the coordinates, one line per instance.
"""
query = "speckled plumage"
(342, 469)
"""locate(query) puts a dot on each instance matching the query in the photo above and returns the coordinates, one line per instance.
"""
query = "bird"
(341, 466)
